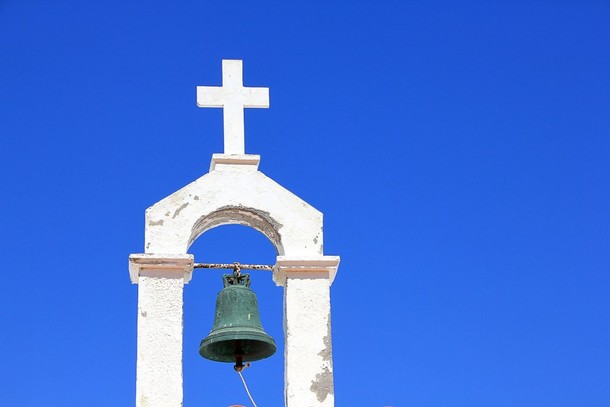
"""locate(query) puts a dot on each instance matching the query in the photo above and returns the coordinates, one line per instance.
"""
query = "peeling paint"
(322, 386)
(177, 212)
(289, 222)
(157, 223)
(326, 353)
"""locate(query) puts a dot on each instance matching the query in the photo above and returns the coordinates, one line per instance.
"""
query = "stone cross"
(233, 97)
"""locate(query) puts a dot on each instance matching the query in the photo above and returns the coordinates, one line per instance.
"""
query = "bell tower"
(234, 191)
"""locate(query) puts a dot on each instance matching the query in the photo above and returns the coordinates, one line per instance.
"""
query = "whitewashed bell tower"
(234, 191)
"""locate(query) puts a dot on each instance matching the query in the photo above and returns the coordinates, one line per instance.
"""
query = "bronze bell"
(237, 334)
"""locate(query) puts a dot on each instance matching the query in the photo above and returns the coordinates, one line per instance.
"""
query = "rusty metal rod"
(232, 266)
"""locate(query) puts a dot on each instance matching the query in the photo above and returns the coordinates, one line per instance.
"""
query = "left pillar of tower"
(160, 280)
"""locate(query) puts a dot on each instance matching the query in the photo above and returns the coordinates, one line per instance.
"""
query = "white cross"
(232, 97)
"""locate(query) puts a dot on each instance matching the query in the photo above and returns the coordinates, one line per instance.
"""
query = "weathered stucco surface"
(160, 312)
(309, 375)
(159, 328)
(234, 192)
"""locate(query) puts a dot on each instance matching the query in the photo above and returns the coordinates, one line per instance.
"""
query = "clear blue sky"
(458, 150)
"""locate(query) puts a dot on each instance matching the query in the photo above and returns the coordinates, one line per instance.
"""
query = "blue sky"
(458, 150)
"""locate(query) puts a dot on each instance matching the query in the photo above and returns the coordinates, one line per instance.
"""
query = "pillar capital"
(162, 265)
(305, 267)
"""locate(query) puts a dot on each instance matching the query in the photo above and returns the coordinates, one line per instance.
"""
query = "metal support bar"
(232, 266)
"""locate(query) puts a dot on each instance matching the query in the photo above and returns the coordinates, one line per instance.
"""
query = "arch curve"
(235, 215)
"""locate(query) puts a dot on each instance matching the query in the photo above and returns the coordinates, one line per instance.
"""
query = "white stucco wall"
(160, 315)
(234, 191)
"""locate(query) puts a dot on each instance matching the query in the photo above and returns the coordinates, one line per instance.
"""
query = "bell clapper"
(239, 365)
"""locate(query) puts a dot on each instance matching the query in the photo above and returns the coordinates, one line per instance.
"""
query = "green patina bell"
(237, 334)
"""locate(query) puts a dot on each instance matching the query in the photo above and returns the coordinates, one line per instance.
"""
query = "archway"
(203, 378)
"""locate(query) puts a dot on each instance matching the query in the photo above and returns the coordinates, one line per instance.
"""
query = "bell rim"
(269, 347)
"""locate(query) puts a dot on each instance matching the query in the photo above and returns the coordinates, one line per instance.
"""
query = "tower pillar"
(308, 369)
(160, 280)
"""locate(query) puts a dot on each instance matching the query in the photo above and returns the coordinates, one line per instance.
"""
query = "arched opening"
(239, 215)
(213, 383)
